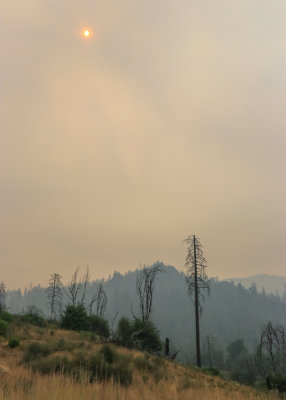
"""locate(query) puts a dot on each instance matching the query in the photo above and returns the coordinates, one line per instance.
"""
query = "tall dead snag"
(99, 299)
(55, 295)
(145, 283)
(3, 294)
(197, 281)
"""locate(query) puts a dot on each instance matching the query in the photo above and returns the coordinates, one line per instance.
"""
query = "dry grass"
(22, 386)
(174, 383)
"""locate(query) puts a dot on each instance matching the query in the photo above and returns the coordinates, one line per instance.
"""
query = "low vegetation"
(52, 363)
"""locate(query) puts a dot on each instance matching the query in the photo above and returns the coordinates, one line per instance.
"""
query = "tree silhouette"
(145, 283)
(197, 281)
(77, 287)
(100, 299)
(55, 294)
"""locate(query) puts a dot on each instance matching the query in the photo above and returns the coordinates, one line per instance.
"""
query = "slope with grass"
(49, 363)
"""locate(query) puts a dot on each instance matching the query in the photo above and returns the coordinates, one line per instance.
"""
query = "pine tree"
(197, 281)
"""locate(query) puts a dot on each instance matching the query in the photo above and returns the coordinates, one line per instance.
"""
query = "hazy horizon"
(170, 121)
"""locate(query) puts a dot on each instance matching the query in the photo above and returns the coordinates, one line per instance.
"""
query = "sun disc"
(86, 33)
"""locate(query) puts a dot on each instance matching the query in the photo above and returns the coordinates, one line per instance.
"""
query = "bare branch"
(145, 283)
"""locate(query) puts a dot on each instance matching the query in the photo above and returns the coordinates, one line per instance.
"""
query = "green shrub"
(277, 382)
(121, 372)
(5, 316)
(63, 345)
(13, 342)
(52, 365)
(92, 337)
(99, 326)
(34, 318)
(3, 327)
(212, 371)
(36, 350)
(75, 318)
(118, 367)
(146, 336)
(142, 364)
(124, 332)
(109, 354)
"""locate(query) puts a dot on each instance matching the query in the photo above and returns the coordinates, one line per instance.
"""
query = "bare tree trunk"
(197, 306)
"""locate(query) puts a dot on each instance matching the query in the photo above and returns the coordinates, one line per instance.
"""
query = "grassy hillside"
(53, 364)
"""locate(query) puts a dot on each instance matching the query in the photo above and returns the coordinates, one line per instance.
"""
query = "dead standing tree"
(55, 295)
(76, 287)
(145, 283)
(100, 299)
(271, 350)
(197, 281)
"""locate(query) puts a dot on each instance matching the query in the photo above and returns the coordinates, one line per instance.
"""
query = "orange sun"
(86, 33)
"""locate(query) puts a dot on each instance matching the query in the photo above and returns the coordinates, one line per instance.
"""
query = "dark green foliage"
(3, 327)
(240, 363)
(75, 318)
(99, 326)
(139, 334)
(142, 364)
(107, 364)
(13, 342)
(145, 336)
(124, 332)
(108, 354)
(104, 365)
(6, 316)
(63, 345)
(245, 374)
(153, 365)
(52, 365)
(36, 350)
(32, 316)
(277, 382)
(212, 371)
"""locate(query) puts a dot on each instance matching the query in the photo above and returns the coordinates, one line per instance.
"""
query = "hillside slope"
(230, 312)
(32, 374)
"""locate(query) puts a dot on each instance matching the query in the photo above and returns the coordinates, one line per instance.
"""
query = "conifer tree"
(197, 281)
(55, 295)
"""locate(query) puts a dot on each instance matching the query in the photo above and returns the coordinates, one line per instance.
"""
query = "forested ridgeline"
(230, 312)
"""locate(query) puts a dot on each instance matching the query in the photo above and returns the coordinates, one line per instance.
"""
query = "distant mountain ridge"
(274, 284)
(230, 312)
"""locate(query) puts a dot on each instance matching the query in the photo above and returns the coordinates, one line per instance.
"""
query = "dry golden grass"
(175, 383)
(21, 385)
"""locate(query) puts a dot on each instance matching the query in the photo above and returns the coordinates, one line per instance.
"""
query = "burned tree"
(77, 287)
(99, 299)
(84, 283)
(145, 283)
(73, 288)
(197, 281)
(270, 355)
(55, 295)
(3, 294)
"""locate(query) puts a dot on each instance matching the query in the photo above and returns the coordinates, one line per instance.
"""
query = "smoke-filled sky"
(169, 121)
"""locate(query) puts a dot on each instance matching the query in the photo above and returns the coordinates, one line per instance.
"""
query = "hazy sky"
(169, 121)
